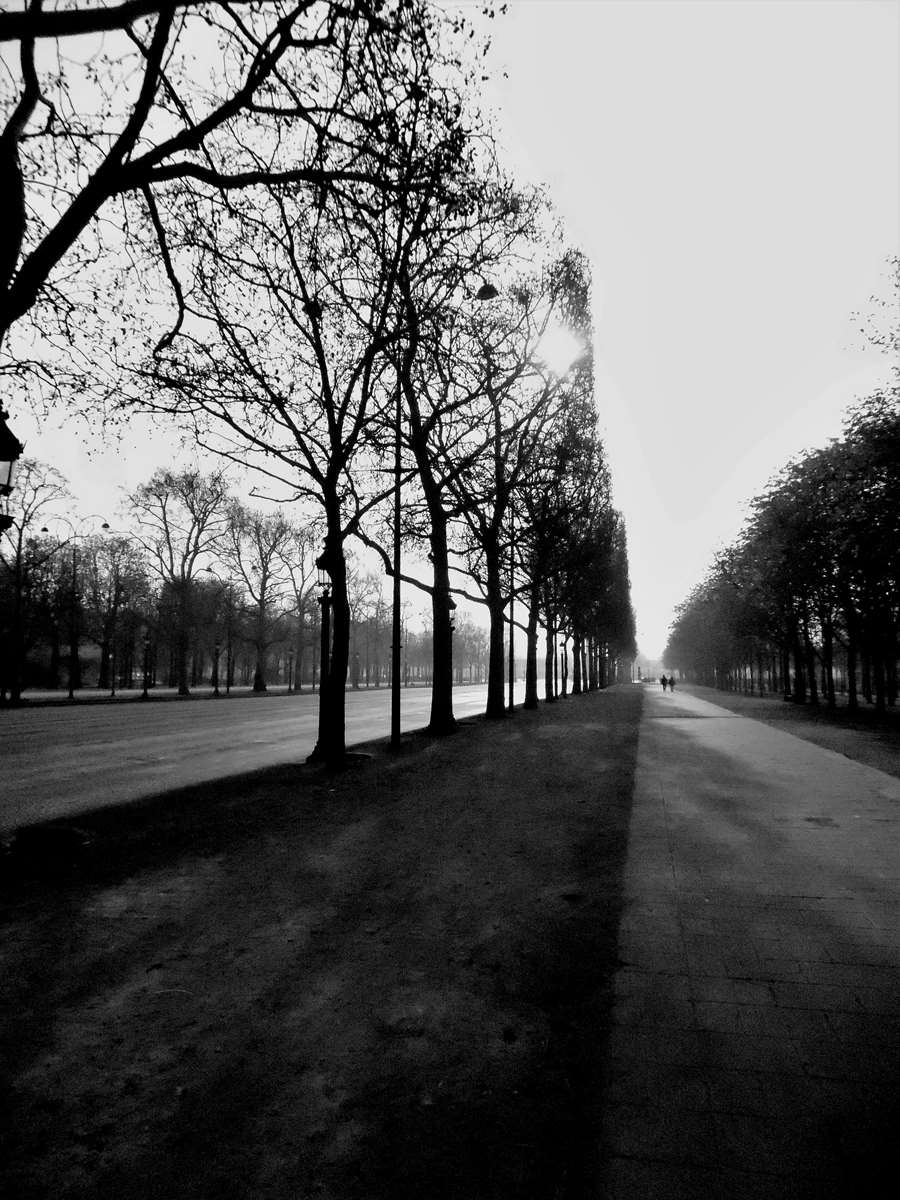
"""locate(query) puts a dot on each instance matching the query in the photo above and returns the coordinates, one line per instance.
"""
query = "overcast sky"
(732, 169)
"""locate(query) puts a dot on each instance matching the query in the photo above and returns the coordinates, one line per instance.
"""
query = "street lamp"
(10, 452)
(487, 291)
(144, 694)
(395, 567)
(324, 581)
(215, 667)
(512, 602)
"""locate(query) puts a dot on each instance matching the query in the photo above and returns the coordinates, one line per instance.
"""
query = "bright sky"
(732, 167)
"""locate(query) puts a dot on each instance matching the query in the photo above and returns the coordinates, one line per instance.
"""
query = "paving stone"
(640, 1180)
(631, 981)
(629, 1044)
(653, 1085)
(757, 1019)
(790, 1147)
(654, 1009)
(755, 1046)
(794, 993)
(669, 1134)
(742, 1091)
(723, 989)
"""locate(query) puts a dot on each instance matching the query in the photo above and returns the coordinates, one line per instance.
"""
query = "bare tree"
(298, 561)
(159, 106)
(114, 578)
(290, 353)
(495, 222)
(255, 547)
(181, 519)
(486, 450)
(24, 558)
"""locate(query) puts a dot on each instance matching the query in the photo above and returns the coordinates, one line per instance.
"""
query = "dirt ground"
(390, 982)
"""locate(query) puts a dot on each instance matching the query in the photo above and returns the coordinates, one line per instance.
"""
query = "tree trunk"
(878, 673)
(441, 720)
(182, 640)
(799, 692)
(810, 656)
(335, 748)
(828, 662)
(534, 607)
(103, 674)
(549, 656)
(16, 661)
(496, 697)
(576, 664)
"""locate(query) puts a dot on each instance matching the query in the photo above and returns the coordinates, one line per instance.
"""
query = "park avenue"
(59, 761)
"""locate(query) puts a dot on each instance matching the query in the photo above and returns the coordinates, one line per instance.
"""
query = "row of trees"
(807, 601)
(341, 289)
(196, 588)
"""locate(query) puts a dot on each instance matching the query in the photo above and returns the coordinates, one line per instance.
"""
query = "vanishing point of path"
(754, 1048)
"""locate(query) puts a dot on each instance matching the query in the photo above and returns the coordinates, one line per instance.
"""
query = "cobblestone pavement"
(755, 1041)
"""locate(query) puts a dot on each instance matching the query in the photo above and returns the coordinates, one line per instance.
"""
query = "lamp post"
(217, 650)
(487, 291)
(10, 453)
(395, 591)
(324, 582)
(120, 598)
(145, 694)
(512, 596)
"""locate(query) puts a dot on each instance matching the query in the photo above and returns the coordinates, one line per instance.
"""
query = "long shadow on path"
(387, 983)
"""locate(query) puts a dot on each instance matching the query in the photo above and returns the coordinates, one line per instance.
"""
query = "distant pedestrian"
(671, 683)
(664, 682)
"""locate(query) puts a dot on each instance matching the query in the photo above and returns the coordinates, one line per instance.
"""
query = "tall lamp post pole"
(512, 594)
(145, 695)
(73, 625)
(395, 628)
(319, 750)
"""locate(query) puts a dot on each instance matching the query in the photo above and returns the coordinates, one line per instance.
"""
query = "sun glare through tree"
(559, 349)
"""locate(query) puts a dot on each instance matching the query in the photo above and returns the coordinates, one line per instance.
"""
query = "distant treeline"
(195, 589)
(807, 600)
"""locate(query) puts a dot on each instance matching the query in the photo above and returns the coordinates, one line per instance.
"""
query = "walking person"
(663, 681)
(671, 683)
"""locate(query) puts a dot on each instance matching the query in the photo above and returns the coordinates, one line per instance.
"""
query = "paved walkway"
(755, 1047)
